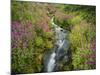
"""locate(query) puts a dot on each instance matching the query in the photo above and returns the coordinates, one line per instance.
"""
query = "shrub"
(81, 36)
(38, 41)
(22, 35)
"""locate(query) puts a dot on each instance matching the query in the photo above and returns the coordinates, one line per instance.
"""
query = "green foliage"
(82, 58)
(87, 12)
(38, 41)
(48, 35)
(80, 37)
(76, 20)
(82, 26)
(63, 23)
(79, 20)
(26, 11)
(49, 44)
(29, 58)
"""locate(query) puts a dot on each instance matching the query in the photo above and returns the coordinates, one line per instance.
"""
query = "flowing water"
(60, 49)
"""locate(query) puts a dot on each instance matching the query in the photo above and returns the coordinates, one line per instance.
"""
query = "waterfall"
(60, 45)
(51, 63)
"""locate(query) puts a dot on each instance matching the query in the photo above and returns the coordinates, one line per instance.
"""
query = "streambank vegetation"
(32, 36)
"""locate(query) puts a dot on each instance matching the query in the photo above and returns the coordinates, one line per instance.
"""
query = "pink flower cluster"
(21, 34)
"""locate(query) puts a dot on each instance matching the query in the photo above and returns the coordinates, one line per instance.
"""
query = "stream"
(59, 52)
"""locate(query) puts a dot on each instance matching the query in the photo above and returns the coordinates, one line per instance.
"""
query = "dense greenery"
(82, 35)
(32, 35)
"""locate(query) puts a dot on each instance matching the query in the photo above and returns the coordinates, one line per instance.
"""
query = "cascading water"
(51, 63)
(61, 45)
